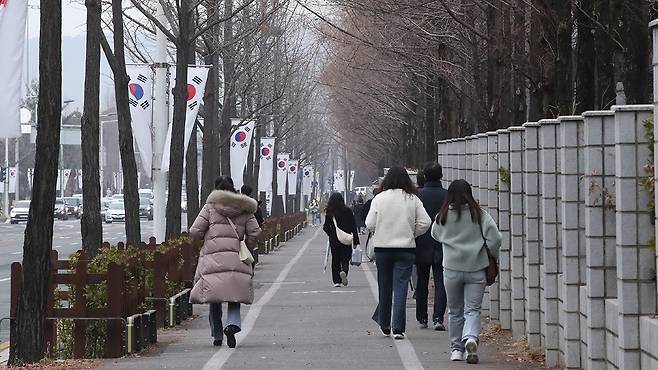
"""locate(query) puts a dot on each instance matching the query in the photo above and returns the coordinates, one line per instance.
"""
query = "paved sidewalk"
(300, 321)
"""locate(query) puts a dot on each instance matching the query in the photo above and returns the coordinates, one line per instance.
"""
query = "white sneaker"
(337, 285)
(343, 278)
(398, 336)
(471, 351)
(457, 355)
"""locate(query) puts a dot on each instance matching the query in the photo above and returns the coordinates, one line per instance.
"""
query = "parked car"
(115, 212)
(74, 205)
(20, 211)
(61, 209)
(145, 208)
(146, 193)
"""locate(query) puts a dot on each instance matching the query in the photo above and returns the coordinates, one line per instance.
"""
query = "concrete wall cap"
(503, 131)
(569, 118)
(530, 124)
(548, 122)
(516, 128)
(598, 113)
(632, 108)
(479, 136)
(492, 133)
(653, 23)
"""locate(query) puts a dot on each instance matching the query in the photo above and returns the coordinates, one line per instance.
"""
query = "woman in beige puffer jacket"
(220, 275)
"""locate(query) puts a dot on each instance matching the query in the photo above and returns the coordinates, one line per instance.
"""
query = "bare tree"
(28, 331)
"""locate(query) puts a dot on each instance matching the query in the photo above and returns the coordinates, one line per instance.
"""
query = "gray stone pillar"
(517, 230)
(572, 215)
(533, 257)
(600, 247)
(636, 261)
(448, 161)
(482, 196)
(492, 208)
(505, 260)
(461, 152)
(551, 237)
(469, 160)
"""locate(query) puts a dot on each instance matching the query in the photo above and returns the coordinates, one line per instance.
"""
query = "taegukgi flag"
(65, 178)
(13, 15)
(293, 165)
(281, 172)
(266, 164)
(307, 180)
(352, 180)
(240, 144)
(140, 96)
(196, 86)
(13, 176)
(339, 180)
(79, 175)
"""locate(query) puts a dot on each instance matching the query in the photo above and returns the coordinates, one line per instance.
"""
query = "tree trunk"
(28, 331)
(128, 163)
(178, 124)
(91, 223)
(210, 165)
(520, 60)
(586, 90)
(633, 68)
(192, 180)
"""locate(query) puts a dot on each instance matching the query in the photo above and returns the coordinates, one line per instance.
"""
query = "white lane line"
(5, 279)
(220, 357)
(405, 348)
(325, 291)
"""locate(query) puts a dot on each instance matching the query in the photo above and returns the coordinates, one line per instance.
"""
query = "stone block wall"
(578, 262)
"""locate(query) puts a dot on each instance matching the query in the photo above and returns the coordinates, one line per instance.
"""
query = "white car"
(20, 211)
(115, 213)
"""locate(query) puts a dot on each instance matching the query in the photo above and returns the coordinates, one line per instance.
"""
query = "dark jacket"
(259, 215)
(428, 249)
(345, 220)
(358, 214)
(366, 209)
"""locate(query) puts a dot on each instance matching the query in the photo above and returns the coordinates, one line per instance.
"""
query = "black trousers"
(340, 261)
(422, 290)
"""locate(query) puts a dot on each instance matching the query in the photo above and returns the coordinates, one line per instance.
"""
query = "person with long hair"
(465, 231)
(225, 220)
(396, 217)
(338, 215)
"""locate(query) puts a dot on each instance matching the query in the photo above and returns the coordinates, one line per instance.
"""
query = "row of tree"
(405, 73)
(262, 61)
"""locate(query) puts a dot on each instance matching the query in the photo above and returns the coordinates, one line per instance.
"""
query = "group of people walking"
(444, 232)
(441, 231)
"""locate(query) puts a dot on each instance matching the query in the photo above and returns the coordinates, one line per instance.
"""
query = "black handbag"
(492, 269)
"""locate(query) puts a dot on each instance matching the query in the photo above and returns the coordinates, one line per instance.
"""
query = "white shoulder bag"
(245, 254)
(343, 237)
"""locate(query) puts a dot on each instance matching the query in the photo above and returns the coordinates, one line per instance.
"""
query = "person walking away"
(465, 231)
(225, 220)
(248, 190)
(339, 215)
(429, 254)
(358, 214)
(396, 217)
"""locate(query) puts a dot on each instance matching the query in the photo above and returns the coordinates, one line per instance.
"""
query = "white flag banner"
(13, 176)
(30, 176)
(281, 172)
(65, 178)
(240, 145)
(140, 96)
(13, 15)
(352, 173)
(266, 164)
(307, 180)
(79, 179)
(293, 165)
(59, 180)
(196, 85)
(339, 181)
(115, 181)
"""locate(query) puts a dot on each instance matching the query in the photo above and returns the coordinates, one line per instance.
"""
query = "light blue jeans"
(465, 291)
(215, 316)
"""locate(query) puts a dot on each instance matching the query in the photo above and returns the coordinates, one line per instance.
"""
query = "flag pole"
(160, 125)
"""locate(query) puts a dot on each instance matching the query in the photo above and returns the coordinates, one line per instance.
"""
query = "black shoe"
(385, 331)
(398, 334)
(230, 331)
(217, 343)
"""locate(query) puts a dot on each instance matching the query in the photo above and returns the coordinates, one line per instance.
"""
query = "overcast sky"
(73, 22)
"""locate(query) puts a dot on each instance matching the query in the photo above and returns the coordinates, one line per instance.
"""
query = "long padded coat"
(220, 275)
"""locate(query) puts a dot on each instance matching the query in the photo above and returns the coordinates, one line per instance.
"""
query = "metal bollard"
(172, 313)
(130, 337)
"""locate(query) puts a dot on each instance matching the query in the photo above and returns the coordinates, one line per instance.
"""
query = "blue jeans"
(215, 316)
(393, 275)
(465, 291)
